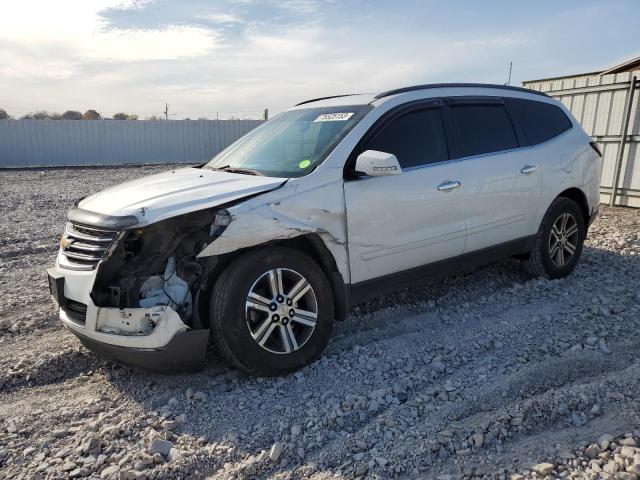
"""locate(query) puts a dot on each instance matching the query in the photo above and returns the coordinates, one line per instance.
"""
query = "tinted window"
(538, 121)
(482, 128)
(415, 138)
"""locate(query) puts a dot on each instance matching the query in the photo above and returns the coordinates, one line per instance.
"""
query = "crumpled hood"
(176, 192)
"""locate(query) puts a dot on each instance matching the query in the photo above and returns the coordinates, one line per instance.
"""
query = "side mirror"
(377, 164)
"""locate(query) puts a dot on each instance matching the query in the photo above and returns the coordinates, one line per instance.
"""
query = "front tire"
(558, 244)
(272, 312)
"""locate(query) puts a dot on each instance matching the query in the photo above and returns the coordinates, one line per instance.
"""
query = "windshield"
(291, 144)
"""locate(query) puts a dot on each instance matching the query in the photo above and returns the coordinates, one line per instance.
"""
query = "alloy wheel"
(281, 310)
(563, 239)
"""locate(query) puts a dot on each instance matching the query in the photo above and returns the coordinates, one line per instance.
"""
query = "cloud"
(170, 43)
(76, 29)
(242, 56)
(220, 17)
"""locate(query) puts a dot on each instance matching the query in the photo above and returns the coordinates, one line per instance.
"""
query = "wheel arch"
(309, 244)
(580, 198)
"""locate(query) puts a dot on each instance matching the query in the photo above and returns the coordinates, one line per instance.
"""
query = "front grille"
(76, 311)
(83, 247)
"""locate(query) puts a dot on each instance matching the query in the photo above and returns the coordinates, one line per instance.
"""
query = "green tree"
(72, 115)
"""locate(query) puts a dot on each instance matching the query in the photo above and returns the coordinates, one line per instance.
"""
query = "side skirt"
(361, 292)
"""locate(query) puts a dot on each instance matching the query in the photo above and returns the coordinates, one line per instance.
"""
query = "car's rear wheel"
(558, 244)
(272, 311)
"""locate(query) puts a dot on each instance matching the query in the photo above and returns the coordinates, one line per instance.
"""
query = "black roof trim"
(456, 85)
(326, 98)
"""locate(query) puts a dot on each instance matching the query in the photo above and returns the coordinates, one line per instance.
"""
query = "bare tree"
(125, 116)
(39, 115)
(4, 115)
(91, 115)
(72, 115)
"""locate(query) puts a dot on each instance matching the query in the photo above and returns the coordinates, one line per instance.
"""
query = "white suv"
(330, 203)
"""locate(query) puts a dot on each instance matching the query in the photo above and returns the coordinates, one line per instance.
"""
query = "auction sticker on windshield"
(334, 117)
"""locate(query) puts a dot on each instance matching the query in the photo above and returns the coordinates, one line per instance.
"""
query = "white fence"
(608, 108)
(35, 143)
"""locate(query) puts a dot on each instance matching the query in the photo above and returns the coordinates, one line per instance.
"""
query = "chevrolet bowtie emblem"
(65, 242)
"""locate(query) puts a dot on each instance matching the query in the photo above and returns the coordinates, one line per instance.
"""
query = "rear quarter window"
(538, 121)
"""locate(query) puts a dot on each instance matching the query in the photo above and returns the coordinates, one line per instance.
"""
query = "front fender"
(285, 214)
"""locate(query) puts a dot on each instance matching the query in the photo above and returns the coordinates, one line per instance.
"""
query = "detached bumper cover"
(170, 348)
(186, 352)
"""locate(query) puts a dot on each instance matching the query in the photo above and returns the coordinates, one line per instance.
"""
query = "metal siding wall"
(36, 143)
(609, 160)
(598, 103)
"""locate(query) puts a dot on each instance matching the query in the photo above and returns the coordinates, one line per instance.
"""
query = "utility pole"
(266, 114)
(509, 79)
(166, 111)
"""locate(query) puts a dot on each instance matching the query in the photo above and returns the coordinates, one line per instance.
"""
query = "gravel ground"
(486, 374)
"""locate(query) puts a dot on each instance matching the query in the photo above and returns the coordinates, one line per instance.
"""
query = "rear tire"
(265, 332)
(558, 244)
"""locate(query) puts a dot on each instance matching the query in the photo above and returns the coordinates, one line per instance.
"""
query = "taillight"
(594, 145)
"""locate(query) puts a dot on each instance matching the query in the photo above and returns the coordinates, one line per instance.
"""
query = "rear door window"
(538, 121)
(481, 127)
(415, 138)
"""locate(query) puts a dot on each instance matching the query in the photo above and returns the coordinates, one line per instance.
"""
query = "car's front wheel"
(272, 311)
(558, 244)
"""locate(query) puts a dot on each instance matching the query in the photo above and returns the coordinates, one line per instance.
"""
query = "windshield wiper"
(244, 171)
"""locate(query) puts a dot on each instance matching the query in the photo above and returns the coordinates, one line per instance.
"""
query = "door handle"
(528, 169)
(449, 185)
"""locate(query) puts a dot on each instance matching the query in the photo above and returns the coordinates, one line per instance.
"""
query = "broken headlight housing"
(158, 264)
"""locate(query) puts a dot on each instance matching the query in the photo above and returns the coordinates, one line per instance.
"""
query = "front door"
(418, 217)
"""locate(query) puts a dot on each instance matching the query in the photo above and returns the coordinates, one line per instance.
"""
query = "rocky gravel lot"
(486, 374)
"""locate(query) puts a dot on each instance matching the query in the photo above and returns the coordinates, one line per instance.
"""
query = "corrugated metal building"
(31, 143)
(607, 105)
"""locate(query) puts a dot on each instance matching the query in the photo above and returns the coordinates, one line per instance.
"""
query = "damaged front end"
(155, 267)
(144, 292)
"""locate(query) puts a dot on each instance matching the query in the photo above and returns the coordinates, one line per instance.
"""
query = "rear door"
(418, 217)
(502, 180)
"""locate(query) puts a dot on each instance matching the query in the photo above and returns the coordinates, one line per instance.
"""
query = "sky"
(236, 58)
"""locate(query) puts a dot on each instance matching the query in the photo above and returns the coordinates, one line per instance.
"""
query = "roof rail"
(455, 85)
(326, 98)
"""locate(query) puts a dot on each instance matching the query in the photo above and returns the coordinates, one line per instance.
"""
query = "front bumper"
(169, 347)
(185, 352)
